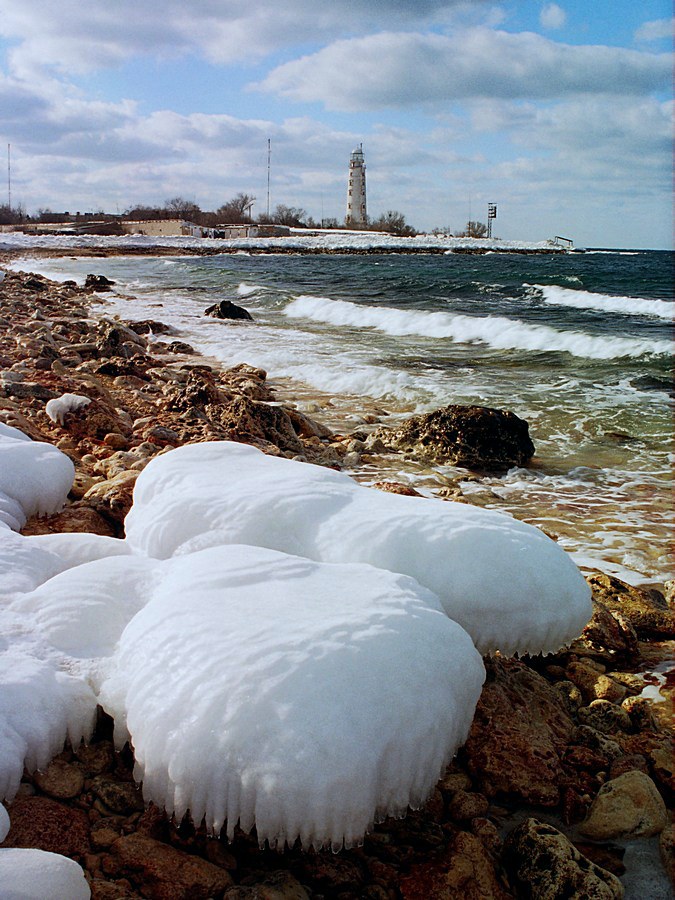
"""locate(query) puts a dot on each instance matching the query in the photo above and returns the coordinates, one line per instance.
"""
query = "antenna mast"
(9, 177)
(269, 157)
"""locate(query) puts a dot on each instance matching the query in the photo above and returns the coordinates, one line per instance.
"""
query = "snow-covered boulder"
(32, 874)
(509, 585)
(304, 698)
(34, 477)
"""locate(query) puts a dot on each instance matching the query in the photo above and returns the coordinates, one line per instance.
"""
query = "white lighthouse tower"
(356, 192)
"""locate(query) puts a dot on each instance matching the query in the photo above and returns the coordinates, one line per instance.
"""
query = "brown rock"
(640, 711)
(627, 763)
(95, 420)
(162, 436)
(453, 782)
(467, 805)
(116, 441)
(609, 635)
(113, 498)
(627, 806)
(543, 864)
(251, 420)
(79, 518)
(277, 886)
(476, 437)
(646, 610)
(605, 717)
(608, 689)
(96, 758)
(165, 872)
(121, 797)
(585, 677)
(47, 825)
(395, 487)
(60, 780)
(111, 890)
(520, 731)
(466, 870)
(488, 833)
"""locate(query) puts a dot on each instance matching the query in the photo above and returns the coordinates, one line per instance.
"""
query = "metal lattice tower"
(356, 191)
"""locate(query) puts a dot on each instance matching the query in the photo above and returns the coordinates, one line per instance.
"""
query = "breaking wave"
(628, 306)
(497, 332)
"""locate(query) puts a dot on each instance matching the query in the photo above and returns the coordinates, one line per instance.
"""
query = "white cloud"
(395, 69)
(655, 30)
(552, 17)
(73, 36)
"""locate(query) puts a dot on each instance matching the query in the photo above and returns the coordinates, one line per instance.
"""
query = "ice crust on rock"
(509, 585)
(32, 874)
(40, 706)
(284, 647)
(58, 408)
(34, 477)
(305, 698)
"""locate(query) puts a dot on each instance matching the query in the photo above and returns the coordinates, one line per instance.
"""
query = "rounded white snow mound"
(40, 706)
(34, 477)
(33, 874)
(303, 698)
(4, 823)
(509, 585)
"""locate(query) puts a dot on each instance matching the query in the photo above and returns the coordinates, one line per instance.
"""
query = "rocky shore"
(565, 783)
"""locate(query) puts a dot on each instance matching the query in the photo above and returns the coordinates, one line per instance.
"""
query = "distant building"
(356, 191)
(251, 231)
(164, 228)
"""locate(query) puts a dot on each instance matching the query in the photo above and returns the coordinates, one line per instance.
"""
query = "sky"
(559, 113)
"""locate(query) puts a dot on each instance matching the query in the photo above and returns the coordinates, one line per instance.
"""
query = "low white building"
(165, 228)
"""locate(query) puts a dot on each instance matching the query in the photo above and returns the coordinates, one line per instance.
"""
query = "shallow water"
(577, 344)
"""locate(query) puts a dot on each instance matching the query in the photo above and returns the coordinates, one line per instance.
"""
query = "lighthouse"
(356, 192)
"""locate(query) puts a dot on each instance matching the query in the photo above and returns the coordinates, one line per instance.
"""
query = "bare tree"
(236, 210)
(181, 208)
(394, 223)
(12, 215)
(143, 213)
(289, 215)
(473, 230)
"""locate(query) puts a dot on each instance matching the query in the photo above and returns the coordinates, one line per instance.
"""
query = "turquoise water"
(577, 344)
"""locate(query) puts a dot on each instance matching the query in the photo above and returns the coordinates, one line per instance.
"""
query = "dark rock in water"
(150, 326)
(476, 437)
(97, 283)
(180, 347)
(228, 310)
(652, 383)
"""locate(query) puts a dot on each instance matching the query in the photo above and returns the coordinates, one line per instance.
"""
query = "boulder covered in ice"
(283, 647)
(34, 477)
(32, 874)
(307, 699)
(509, 585)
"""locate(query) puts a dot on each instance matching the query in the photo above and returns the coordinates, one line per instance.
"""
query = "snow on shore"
(259, 637)
(298, 241)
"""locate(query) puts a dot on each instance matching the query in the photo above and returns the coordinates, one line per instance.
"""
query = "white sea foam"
(629, 306)
(245, 290)
(498, 332)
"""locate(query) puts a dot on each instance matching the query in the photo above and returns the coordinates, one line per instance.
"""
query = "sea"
(578, 344)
